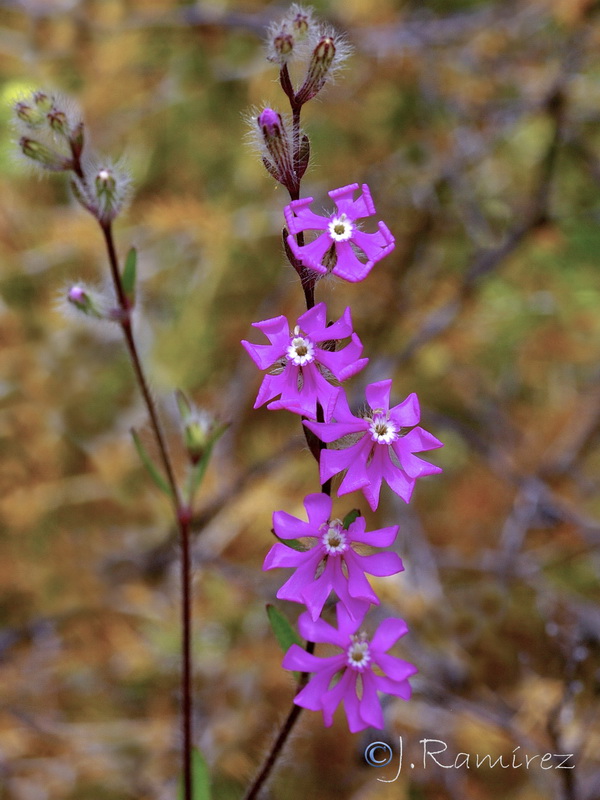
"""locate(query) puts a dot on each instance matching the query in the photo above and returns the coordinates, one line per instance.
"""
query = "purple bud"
(84, 300)
(269, 122)
(279, 147)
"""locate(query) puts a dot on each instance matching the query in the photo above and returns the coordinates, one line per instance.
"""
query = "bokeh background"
(477, 126)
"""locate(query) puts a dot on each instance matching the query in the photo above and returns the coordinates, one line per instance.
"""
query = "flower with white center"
(342, 248)
(385, 441)
(331, 562)
(362, 668)
(303, 368)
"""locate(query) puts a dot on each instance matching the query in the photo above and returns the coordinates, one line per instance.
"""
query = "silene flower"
(383, 442)
(356, 674)
(343, 248)
(331, 563)
(303, 368)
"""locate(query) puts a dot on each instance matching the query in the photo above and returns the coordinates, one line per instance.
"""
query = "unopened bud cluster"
(51, 138)
(285, 149)
(299, 36)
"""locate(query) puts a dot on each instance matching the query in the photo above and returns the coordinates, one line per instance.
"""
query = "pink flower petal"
(387, 634)
(318, 507)
(382, 537)
(378, 395)
(407, 413)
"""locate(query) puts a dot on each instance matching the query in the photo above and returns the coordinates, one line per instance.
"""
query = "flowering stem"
(182, 511)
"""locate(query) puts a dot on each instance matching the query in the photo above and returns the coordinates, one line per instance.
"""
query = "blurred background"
(477, 126)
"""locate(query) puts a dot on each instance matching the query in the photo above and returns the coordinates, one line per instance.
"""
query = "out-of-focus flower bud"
(198, 428)
(57, 119)
(29, 114)
(45, 156)
(103, 190)
(86, 301)
(279, 147)
(43, 101)
(283, 47)
(301, 22)
(318, 69)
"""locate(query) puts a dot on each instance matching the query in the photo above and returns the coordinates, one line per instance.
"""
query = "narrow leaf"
(129, 273)
(200, 778)
(149, 464)
(350, 517)
(284, 633)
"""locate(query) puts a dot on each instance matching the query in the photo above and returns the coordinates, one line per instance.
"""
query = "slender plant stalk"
(182, 512)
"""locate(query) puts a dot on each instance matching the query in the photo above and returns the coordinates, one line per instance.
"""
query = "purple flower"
(302, 368)
(358, 683)
(384, 441)
(335, 250)
(331, 563)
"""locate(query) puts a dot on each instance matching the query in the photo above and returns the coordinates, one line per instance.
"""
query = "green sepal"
(284, 633)
(129, 274)
(350, 517)
(295, 544)
(149, 464)
(200, 778)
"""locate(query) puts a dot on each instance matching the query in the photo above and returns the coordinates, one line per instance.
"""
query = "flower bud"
(43, 155)
(198, 428)
(28, 114)
(301, 23)
(43, 101)
(283, 45)
(318, 69)
(103, 190)
(57, 120)
(277, 142)
(85, 301)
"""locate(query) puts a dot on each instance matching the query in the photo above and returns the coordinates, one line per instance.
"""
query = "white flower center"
(382, 430)
(301, 351)
(358, 652)
(340, 228)
(334, 538)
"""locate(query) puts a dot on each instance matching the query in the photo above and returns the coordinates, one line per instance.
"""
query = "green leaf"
(200, 778)
(129, 273)
(293, 543)
(284, 633)
(350, 517)
(149, 464)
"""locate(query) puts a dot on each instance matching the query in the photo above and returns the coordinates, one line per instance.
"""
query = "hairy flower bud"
(43, 101)
(28, 114)
(318, 69)
(85, 301)
(278, 144)
(43, 155)
(283, 45)
(103, 190)
(198, 428)
(301, 23)
(57, 119)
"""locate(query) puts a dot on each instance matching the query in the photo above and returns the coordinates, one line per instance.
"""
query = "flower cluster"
(307, 363)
